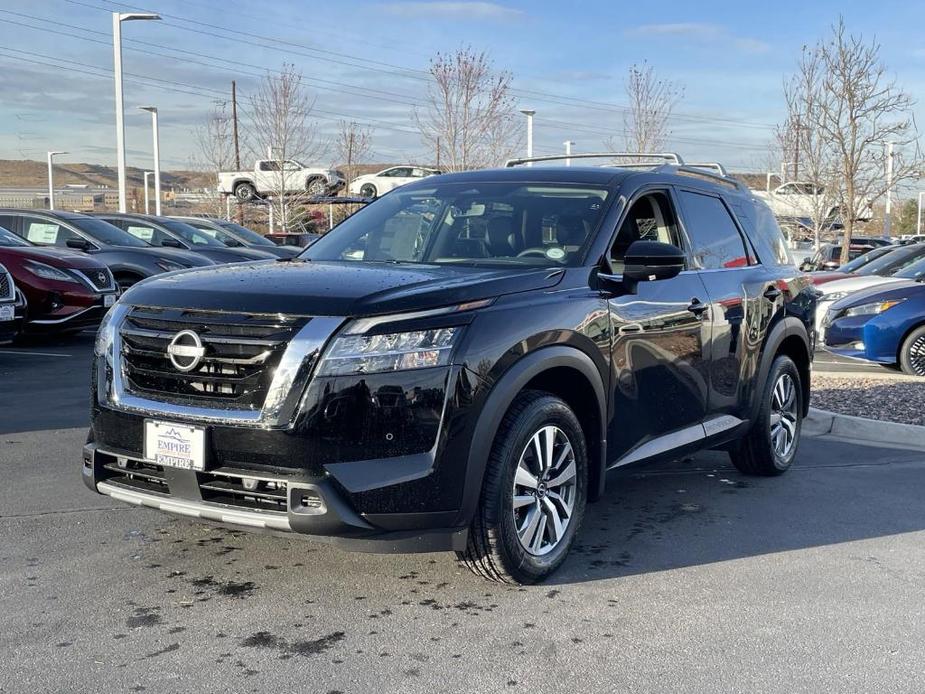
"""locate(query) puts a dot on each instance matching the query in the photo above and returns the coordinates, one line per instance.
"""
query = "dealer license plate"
(175, 445)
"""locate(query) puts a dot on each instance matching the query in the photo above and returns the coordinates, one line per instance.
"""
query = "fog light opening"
(859, 346)
(250, 484)
(311, 502)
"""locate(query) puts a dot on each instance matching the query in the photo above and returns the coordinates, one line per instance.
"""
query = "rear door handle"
(697, 307)
(772, 293)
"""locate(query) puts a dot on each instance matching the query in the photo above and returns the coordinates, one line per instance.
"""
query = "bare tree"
(469, 118)
(806, 147)
(856, 109)
(280, 128)
(351, 144)
(651, 103)
(214, 152)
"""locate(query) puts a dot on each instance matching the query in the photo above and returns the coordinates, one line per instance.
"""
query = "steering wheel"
(550, 253)
(536, 250)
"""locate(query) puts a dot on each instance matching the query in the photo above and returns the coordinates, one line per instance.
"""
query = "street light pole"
(888, 213)
(117, 19)
(918, 221)
(51, 180)
(147, 208)
(529, 113)
(157, 159)
(568, 152)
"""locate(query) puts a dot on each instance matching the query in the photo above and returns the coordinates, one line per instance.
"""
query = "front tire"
(771, 444)
(912, 353)
(533, 494)
(368, 190)
(316, 187)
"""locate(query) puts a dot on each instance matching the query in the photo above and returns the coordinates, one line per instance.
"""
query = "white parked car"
(268, 175)
(799, 200)
(376, 184)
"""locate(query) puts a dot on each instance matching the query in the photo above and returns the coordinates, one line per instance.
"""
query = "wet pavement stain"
(264, 639)
(144, 617)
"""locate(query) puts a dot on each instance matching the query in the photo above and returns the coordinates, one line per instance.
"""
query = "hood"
(853, 284)
(187, 258)
(55, 257)
(327, 288)
(896, 289)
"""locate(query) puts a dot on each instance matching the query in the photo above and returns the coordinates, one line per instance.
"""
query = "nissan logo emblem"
(185, 350)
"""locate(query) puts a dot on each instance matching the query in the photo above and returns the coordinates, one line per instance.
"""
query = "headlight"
(362, 354)
(169, 265)
(107, 331)
(872, 309)
(47, 272)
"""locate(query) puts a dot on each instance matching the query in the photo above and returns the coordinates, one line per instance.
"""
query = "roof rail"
(715, 165)
(669, 157)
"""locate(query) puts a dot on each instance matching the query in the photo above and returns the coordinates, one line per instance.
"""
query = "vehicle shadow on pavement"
(701, 510)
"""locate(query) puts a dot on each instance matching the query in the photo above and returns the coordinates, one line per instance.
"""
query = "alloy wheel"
(917, 356)
(544, 490)
(784, 415)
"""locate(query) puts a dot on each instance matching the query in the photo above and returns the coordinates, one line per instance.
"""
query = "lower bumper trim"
(195, 509)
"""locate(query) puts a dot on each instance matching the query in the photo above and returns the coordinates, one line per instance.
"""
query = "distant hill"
(24, 173)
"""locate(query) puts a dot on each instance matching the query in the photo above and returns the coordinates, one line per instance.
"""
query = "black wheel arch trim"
(786, 327)
(499, 399)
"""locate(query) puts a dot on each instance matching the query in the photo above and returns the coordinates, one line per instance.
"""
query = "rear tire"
(368, 190)
(245, 192)
(533, 494)
(771, 444)
(316, 186)
(912, 353)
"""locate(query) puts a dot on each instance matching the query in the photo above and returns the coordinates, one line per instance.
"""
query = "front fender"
(499, 399)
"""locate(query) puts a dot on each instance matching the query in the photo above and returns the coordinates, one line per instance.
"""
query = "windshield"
(105, 233)
(894, 261)
(913, 271)
(249, 235)
(474, 223)
(190, 234)
(9, 240)
(862, 260)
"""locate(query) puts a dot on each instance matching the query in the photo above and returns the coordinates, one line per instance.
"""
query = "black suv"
(458, 365)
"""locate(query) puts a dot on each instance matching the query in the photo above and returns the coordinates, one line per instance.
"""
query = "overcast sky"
(365, 61)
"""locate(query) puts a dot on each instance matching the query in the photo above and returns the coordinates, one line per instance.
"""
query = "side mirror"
(78, 244)
(172, 243)
(647, 261)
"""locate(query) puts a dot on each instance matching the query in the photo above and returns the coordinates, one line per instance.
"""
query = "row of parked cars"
(60, 271)
(873, 307)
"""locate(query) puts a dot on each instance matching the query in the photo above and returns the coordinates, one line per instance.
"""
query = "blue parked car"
(881, 324)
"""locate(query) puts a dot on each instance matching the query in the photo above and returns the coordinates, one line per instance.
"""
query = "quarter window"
(717, 243)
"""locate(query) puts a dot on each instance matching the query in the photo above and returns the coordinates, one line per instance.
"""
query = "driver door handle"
(697, 307)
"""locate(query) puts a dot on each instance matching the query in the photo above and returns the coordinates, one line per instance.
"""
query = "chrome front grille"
(7, 288)
(239, 355)
(100, 280)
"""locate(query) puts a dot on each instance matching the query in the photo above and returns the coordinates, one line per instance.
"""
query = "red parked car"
(63, 290)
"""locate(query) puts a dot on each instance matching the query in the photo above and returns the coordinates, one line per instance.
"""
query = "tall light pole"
(117, 19)
(529, 113)
(918, 221)
(147, 208)
(887, 216)
(51, 180)
(157, 158)
(568, 152)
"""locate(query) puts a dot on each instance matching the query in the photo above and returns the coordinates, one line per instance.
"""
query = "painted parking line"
(34, 354)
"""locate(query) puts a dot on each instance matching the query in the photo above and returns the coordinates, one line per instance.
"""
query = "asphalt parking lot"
(687, 577)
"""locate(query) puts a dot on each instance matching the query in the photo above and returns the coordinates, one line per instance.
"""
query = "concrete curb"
(862, 430)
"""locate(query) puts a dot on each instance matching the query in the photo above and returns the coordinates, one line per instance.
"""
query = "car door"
(393, 178)
(660, 333)
(734, 285)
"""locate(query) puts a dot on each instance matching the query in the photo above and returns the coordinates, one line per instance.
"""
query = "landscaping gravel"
(890, 397)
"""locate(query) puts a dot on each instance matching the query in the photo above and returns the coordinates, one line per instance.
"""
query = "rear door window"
(716, 241)
(46, 232)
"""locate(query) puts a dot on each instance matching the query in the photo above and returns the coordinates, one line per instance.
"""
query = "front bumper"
(301, 504)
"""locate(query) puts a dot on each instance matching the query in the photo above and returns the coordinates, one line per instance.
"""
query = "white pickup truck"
(270, 176)
(799, 200)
